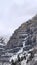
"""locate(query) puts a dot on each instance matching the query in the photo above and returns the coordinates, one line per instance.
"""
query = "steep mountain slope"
(26, 29)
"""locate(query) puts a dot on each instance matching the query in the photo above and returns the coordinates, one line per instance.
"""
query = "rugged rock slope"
(19, 35)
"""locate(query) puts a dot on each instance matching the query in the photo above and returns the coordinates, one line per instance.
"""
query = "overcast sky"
(14, 12)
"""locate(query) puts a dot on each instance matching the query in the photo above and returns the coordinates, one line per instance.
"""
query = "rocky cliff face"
(26, 29)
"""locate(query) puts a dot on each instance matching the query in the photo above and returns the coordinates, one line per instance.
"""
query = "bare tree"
(2, 40)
